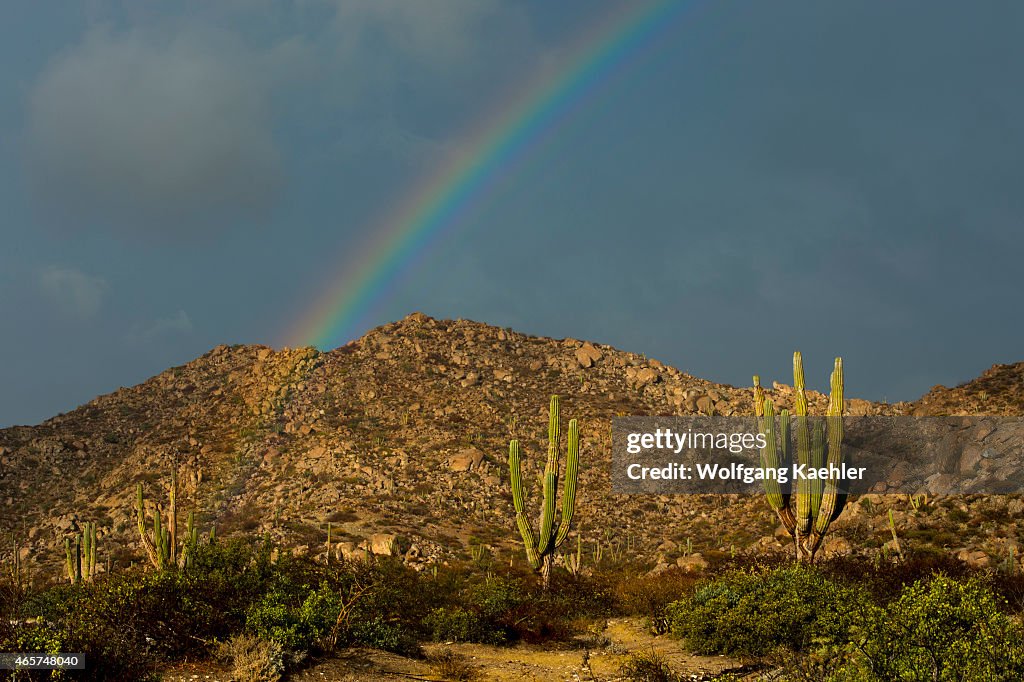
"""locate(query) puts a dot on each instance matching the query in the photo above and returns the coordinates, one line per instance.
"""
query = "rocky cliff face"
(398, 439)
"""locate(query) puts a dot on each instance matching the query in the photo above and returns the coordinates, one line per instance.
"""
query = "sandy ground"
(593, 658)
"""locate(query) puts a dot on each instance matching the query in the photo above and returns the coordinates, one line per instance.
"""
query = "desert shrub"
(390, 606)
(648, 667)
(941, 629)
(650, 595)
(487, 612)
(389, 634)
(126, 623)
(274, 619)
(379, 599)
(97, 620)
(831, 663)
(458, 624)
(750, 613)
(253, 659)
(451, 666)
(10, 608)
(511, 606)
(885, 580)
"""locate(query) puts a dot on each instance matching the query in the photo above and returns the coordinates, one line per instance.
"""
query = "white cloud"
(144, 130)
(442, 32)
(73, 293)
(178, 324)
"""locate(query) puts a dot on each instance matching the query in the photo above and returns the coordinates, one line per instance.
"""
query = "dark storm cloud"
(145, 132)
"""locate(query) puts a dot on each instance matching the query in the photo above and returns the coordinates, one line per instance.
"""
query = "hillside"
(399, 440)
(999, 390)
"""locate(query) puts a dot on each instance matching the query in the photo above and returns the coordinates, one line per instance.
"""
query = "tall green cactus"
(807, 511)
(74, 561)
(161, 541)
(540, 547)
(80, 561)
(89, 551)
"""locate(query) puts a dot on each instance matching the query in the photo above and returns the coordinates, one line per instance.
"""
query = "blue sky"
(841, 178)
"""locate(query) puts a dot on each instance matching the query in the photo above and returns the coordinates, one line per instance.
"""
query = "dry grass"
(452, 666)
(253, 659)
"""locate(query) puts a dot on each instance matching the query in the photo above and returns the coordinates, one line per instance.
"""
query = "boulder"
(587, 355)
(382, 543)
(468, 459)
(694, 563)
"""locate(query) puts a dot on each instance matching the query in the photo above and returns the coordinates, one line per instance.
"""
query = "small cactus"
(895, 538)
(574, 561)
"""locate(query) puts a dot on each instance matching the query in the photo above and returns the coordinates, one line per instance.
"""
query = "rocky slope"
(399, 440)
(999, 390)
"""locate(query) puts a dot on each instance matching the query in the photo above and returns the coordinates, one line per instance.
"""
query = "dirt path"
(592, 658)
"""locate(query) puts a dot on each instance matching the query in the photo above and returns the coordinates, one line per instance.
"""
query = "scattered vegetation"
(241, 602)
(649, 667)
(824, 623)
(451, 666)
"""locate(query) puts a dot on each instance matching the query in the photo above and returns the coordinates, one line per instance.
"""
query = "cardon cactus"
(161, 541)
(81, 558)
(807, 511)
(540, 547)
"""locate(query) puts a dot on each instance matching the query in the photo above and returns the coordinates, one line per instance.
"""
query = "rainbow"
(493, 150)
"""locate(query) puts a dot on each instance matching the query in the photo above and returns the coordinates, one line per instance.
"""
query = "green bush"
(941, 629)
(96, 620)
(751, 613)
(650, 595)
(457, 624)
(379, 632)
(274, 620)
(484, 612)
(508, 607)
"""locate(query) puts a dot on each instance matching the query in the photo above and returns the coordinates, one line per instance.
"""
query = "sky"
(841, 178)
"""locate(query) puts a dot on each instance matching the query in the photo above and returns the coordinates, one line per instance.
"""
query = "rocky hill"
(399, 440)
(999, 390)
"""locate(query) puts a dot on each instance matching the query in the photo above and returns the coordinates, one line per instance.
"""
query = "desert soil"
(606, 650)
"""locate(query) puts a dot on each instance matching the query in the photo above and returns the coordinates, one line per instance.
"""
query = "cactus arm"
(515, 475)
(759, 397)
(803, 446)
(832, 500)
(158, 539)
(191, 538)
(172, 520)
(70, 565)
(775, 455)
(147, 541)
(785, 454)
(547, 516)
(78, 559)
(786, 462)
(86, 541)
(572, 460)
(88, 550)
(770, 455)
(93, 557)
(817, 486)
(166, 547)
